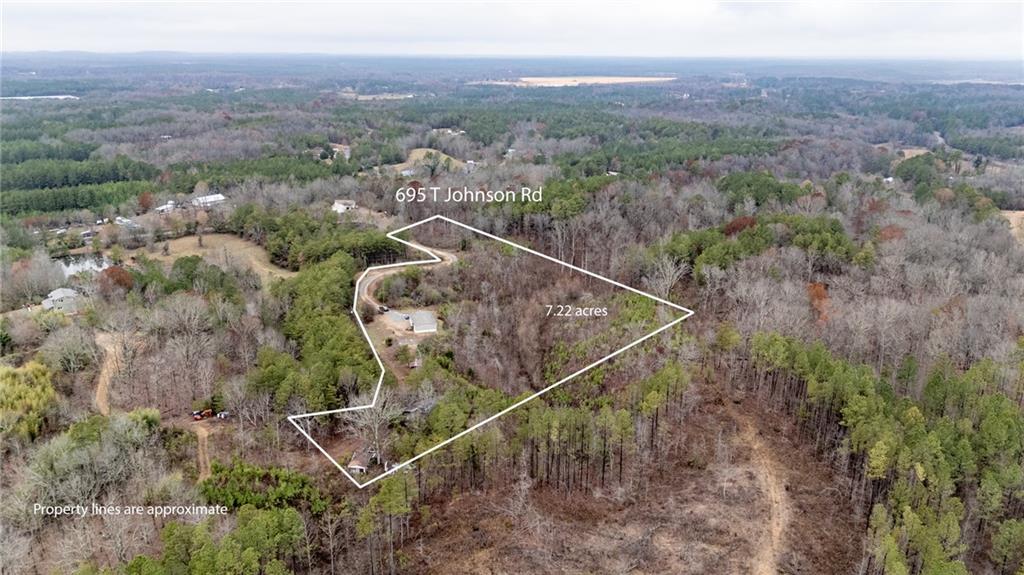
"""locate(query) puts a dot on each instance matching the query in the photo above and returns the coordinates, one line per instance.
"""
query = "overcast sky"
(968, 30)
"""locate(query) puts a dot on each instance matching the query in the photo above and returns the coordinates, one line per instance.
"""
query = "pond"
(74, 264)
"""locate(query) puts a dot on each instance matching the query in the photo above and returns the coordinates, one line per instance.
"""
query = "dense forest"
(858, 335)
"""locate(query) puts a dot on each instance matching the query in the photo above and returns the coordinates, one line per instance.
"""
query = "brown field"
(417, 156)
(1016, 223)
(220, 249)
(563, 81)
(913, 152)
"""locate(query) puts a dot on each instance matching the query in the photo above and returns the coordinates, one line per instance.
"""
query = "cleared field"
(418, 157)
(1016, 223)
(563, 81)
(220, 249)
(913, 152)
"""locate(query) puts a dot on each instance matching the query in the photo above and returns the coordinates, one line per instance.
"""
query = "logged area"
(732, 495)
(321, 314)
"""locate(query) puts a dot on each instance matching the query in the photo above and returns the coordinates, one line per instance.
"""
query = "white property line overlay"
(435, 259)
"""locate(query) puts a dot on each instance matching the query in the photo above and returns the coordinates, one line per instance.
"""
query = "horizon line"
(755, 58)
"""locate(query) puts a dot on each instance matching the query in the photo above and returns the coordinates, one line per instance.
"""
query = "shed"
(342, 206)
(423, 322)
(359, 462)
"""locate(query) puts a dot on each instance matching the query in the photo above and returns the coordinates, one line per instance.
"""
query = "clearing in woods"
(418, 157)
(1016, 223)
(220, 249)
(105, 341)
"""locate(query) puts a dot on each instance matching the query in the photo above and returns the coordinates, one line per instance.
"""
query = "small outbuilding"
(208, 201)
(360, 461)
(342, 206)
(423, 322)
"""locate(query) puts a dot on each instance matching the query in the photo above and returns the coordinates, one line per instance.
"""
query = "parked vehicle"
(201, 415)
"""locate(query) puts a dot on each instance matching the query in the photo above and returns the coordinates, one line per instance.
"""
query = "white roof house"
(342, 206)
(207, 201)
(63, 300)
(423, 322)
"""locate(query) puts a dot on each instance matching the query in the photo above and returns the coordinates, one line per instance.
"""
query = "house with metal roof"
(208, 201)
(423, 321)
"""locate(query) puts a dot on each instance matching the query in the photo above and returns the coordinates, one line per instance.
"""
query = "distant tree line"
(86, 196)
(47, 173)
(18, 151)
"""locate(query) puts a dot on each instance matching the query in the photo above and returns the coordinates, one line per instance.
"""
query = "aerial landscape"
(743, 296)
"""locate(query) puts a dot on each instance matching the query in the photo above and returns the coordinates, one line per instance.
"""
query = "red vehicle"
(201, 415)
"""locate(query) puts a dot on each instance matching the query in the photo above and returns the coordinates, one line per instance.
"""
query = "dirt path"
(105, 341)
(368, 285)
(374, 276)
(202, 441)
(768, 551)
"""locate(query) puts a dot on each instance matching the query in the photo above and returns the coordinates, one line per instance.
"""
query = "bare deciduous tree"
(72, 349)
(665, 272)
(371, 423)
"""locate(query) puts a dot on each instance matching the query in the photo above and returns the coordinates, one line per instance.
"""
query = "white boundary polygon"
(434, 259)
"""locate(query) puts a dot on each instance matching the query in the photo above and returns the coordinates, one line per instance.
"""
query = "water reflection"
(74, 264)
